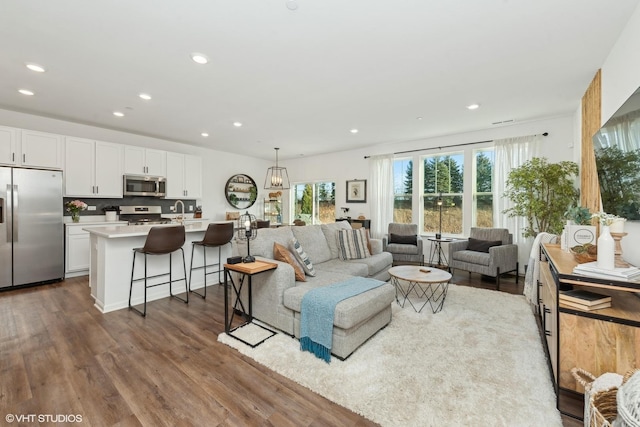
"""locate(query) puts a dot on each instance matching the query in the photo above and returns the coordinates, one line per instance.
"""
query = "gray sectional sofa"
(277, 296)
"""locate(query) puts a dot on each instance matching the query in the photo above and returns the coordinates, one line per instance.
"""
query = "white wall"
(349, 165)
(620, 78)
(217, 166)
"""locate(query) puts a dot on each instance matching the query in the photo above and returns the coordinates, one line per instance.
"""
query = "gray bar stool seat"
(216, 236)
(160, 241)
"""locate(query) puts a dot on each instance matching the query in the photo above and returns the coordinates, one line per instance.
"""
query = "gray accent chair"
(497, 261)
(402, 252)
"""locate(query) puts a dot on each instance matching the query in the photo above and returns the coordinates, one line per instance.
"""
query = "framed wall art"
(357, 191)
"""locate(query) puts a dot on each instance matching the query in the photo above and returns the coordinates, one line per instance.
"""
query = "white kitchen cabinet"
(144, 161)
(40, 149)
(77, 248)
(193, 176)
(93, 168)
(184, 176)
(9, 145)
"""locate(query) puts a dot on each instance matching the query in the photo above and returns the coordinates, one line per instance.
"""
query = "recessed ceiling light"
(204, 134)
(199, 58)
(26, 92)
(118, 114)
(473, 106)
(35, 67)
(237, 124)
(354, 130)
(292, 5)
(145, 96)
(418, 118)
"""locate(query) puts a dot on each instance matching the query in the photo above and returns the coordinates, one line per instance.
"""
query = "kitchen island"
(111, 258)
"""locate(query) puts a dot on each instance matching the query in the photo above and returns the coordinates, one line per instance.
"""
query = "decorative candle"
(617, 226)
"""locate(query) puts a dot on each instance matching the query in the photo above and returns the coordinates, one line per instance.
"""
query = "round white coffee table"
(428, 284)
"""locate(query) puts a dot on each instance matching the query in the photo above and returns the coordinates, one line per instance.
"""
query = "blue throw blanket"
(317, 311)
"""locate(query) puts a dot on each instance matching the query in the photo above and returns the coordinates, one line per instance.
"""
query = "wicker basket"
(601, 407)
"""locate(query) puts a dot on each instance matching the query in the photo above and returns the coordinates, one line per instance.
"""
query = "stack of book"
(619, 273)
(584, 300)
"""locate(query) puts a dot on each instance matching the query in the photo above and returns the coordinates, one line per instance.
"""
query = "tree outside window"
(402, 190)
(314, 203)
(443, 177)
(482, 189)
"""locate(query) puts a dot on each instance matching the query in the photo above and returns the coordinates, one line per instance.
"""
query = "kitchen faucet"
(175, 208)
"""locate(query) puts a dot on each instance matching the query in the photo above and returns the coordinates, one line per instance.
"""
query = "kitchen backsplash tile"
(100, 204)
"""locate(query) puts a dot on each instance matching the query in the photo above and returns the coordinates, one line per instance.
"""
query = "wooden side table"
(246, 270)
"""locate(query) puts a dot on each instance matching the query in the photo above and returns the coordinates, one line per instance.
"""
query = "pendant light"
(277, 177)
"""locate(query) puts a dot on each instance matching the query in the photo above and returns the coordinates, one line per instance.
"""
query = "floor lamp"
(439, 203)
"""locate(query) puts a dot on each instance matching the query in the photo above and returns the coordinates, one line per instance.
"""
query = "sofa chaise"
(277, 296)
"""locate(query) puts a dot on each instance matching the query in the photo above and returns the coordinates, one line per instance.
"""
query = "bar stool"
(217, 235)
(160, 241)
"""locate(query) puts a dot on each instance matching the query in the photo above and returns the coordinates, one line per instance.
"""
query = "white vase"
(606, 249)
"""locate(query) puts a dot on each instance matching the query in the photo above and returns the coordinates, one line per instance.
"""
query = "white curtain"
(381, 173)
(511, 153)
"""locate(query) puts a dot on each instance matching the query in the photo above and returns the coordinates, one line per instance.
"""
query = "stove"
(143, 215)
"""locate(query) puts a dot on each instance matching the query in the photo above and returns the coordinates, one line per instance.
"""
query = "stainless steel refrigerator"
(31, 229)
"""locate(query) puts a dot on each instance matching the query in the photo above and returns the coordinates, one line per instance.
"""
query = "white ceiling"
(300, 80)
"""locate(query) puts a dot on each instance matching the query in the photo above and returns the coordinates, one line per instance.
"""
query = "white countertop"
(95, 223)
(119, 231)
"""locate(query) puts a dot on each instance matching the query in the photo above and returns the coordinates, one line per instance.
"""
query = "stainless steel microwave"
(143, 185)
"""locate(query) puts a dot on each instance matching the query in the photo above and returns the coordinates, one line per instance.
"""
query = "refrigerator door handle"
(1, 210)
(14, 207)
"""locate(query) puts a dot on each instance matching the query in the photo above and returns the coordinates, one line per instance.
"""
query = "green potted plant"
(578, 215)
(540, 192)
(578, 231)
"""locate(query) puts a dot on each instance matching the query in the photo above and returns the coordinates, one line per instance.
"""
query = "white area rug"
(251, 333)
(479, 362)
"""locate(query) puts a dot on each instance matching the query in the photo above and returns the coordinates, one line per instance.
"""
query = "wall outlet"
(172, 208)
(91, 208)
(190, 208)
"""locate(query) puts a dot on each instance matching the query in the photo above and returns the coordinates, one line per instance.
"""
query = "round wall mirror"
(241, 191)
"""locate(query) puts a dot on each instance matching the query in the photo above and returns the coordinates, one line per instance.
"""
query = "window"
(402, 190)
(482, 188)
(314, 203)
(443, 179)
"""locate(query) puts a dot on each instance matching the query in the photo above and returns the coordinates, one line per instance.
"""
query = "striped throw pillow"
(302, 257)
(352, 244)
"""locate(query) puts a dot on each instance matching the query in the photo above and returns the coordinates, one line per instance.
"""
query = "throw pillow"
(281, 253)
(478, 245)
(302, 257)
(403, 239)
(369, 241)
(352, 244)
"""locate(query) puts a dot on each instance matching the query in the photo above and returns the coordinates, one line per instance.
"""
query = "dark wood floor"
(60, 355)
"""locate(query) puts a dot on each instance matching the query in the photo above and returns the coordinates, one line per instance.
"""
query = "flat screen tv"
(617, 150)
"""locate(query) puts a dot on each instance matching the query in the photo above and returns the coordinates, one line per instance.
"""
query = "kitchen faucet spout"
(175, 208)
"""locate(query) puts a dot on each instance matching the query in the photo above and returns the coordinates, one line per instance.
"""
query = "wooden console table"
(599, 341)
(366, 223)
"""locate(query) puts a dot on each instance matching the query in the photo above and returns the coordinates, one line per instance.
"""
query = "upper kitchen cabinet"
(144, 161)
(93, 168)
(41, 150)
(8, 145)
(184, 176)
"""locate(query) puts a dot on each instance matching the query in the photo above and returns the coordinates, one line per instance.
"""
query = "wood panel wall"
(591, 119)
